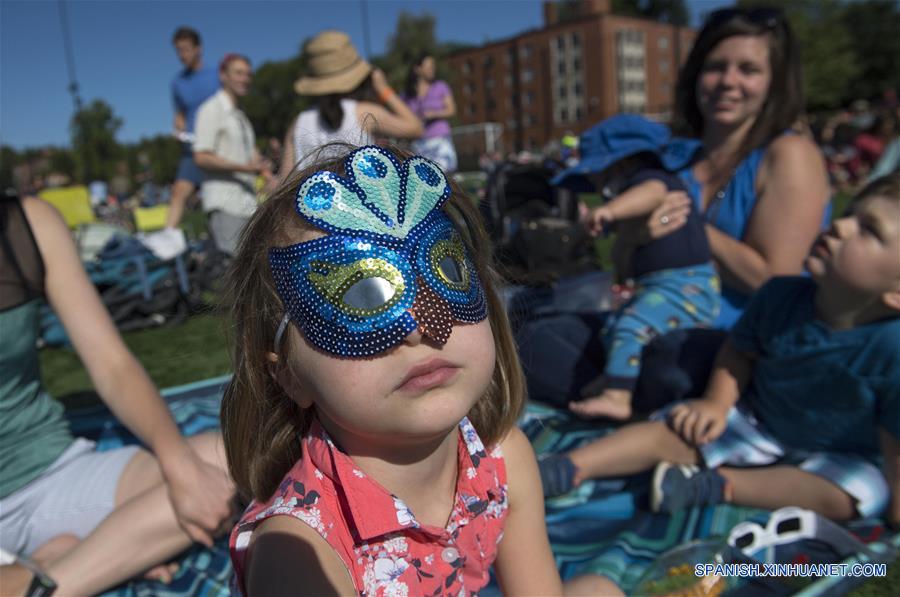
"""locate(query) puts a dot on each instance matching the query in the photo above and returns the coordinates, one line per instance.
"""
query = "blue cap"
(606, 143)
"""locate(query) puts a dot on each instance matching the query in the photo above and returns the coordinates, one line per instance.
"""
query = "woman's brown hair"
(784, 104)
(261, 424)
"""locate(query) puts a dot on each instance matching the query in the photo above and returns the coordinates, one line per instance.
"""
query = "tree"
(413, 37)
(830, 63)
(874, 27)
(94, 144)
(9, 158)
(272, 103)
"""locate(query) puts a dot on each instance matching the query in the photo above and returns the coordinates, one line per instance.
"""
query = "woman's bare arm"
(793, 195)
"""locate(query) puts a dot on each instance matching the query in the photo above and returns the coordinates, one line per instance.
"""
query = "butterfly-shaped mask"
(391, 262)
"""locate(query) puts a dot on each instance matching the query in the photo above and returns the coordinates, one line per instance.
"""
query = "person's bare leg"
(14, 579)
(591, 585)
(54, 549)
(613, 403)
(141, 533)
(774, 487)
(181, 191)
(631, 449)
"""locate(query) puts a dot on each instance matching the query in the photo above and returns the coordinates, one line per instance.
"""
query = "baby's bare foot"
(611, 404)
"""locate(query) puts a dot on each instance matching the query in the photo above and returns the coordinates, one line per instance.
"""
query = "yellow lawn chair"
(148, 219)
(74, 203)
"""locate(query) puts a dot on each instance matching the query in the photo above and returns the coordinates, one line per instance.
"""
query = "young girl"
(376, 433)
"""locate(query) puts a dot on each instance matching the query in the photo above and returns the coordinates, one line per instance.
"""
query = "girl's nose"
(432, 314)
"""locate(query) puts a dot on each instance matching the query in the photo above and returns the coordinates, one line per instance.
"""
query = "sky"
(123, 53)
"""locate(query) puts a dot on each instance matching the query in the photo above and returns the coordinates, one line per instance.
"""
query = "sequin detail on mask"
(433, 315)
(384, 270)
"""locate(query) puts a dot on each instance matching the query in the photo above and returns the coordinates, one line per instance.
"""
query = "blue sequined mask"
(391, 263)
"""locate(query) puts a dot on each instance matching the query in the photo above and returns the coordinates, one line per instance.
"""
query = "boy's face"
(861, 251)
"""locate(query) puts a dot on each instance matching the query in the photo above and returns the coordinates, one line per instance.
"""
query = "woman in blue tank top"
(762, 188)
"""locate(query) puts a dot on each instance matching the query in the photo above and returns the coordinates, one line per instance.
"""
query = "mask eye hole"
(448, 262)
(369, 294)
(362, 288)
(451, 269)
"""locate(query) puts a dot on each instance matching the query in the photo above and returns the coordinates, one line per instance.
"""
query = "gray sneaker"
(679, 486)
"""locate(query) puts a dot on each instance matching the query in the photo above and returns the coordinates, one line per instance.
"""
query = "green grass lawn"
(172, 355)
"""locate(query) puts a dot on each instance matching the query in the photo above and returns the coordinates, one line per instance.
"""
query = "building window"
(576, 63)
(579, 113)
(527, 75)
(467, 67)
(472, 108)
(563, 115)
(662, 43)
(576, 39)
(510, 56)
(489, 84)
(560, 42)
(488, 61)
(525, 52)
(561, 67)
(510, 123)
(562, 92)
(528, 98)
(663, 66)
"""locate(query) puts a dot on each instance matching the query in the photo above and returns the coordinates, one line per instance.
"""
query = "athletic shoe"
(679, 486)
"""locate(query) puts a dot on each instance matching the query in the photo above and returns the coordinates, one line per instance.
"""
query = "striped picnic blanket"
(603, 527)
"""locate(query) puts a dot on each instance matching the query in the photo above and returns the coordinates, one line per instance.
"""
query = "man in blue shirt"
(190, 88)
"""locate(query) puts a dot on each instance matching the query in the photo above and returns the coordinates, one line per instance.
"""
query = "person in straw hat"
(344, 87)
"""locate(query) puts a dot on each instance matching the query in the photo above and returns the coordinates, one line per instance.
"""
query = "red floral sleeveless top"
(385, 549)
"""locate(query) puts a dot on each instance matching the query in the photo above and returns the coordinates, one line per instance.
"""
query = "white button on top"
(450, 554)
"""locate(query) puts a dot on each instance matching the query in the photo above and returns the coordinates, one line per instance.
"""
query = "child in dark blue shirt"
(676, 282)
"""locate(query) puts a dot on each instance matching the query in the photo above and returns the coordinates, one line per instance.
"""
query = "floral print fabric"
(386, 550)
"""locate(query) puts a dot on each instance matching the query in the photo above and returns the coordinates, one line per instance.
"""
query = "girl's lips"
(426, 376)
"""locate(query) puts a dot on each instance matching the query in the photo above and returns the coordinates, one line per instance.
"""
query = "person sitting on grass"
(677, 284)
(804, 402)
(91, 519)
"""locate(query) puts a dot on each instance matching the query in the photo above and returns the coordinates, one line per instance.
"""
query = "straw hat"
(332, 64)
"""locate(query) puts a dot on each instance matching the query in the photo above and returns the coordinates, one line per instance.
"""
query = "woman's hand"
(201, 497)
(671, 215)
(699, 422)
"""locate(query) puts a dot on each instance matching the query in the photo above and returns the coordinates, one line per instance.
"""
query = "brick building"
(570, 74)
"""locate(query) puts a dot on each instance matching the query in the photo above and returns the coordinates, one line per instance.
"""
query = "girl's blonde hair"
(261, 424)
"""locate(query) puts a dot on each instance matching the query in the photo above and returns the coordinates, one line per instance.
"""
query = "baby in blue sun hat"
(676, 282)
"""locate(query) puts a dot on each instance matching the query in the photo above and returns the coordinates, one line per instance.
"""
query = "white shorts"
(72, 496)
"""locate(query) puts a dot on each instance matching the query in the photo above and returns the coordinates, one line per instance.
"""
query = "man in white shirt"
(225, 149)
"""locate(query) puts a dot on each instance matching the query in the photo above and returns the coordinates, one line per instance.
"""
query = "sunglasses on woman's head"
(768, 18)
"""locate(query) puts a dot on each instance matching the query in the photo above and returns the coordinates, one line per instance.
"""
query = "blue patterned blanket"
(603, 527)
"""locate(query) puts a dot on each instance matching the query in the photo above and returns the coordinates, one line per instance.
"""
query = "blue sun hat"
(606, 143)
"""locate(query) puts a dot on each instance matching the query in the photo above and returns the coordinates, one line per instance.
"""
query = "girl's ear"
(282, 374)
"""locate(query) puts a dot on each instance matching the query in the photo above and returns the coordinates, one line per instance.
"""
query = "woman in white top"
(342, 83)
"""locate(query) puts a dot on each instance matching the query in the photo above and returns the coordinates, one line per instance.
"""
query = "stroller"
(534, 226)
